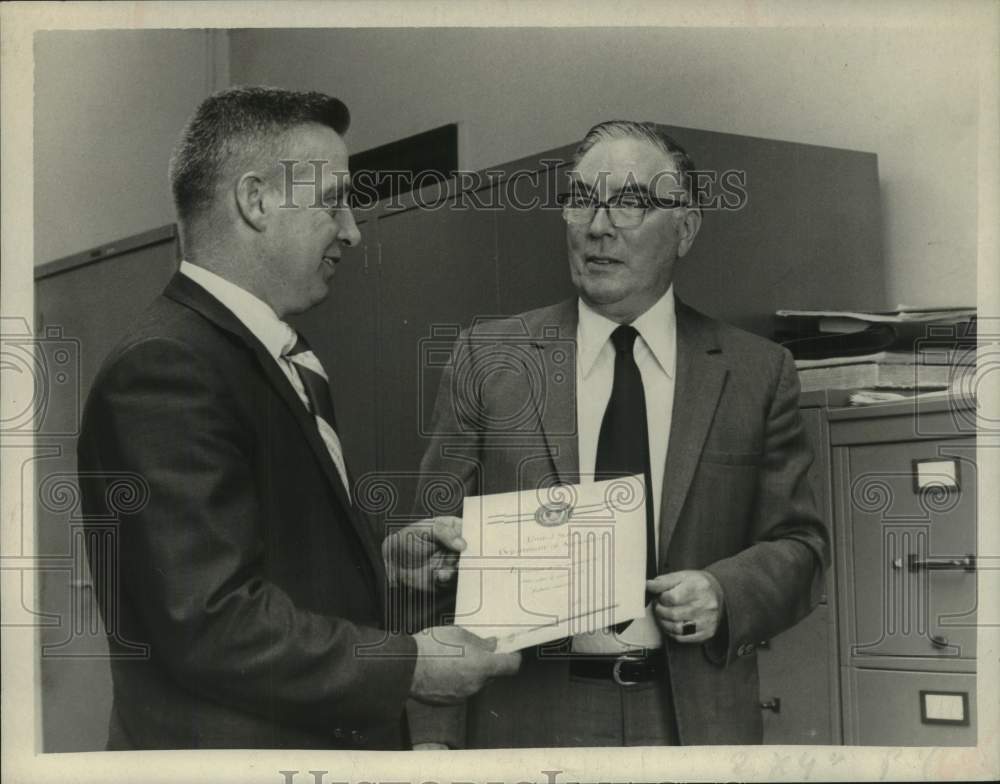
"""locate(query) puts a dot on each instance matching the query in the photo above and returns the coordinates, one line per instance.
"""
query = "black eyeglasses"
(625, 210)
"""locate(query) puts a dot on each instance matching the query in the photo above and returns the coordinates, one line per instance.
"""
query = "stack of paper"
(821, 334)
(917, 370)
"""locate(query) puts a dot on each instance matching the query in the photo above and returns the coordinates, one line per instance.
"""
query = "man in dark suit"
(240, 564)
(626, 380)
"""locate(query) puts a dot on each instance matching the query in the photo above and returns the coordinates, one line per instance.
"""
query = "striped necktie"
(316, 385)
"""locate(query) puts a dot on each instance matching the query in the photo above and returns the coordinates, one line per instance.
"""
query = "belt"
(625, 670)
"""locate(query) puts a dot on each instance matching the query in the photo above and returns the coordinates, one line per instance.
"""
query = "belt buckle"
(616, 673)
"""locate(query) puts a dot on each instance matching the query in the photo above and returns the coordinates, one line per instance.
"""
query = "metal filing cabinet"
(799, 676)
(904, 491)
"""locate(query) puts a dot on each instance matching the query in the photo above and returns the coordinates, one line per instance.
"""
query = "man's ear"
(252, 200)
(688, 230)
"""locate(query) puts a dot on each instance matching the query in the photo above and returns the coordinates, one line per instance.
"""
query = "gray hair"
(645, 131)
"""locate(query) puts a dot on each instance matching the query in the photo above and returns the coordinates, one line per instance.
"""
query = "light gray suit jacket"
(736, 501)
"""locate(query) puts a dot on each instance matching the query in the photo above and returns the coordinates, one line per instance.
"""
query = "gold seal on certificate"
(554, 513)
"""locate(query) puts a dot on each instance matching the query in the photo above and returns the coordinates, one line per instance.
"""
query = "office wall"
(109, 105)
(909, 96)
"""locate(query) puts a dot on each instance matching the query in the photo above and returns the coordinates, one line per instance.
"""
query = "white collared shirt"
(276, 336)
(655, 353)
(255, 314)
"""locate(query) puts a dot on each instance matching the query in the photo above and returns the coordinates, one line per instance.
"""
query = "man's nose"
(349, 233)
(601, 223)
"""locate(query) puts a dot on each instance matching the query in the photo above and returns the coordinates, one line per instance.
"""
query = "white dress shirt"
(655, 353)
(276, 336)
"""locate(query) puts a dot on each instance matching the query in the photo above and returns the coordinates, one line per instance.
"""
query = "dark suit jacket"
(229, 549)
(735, 496)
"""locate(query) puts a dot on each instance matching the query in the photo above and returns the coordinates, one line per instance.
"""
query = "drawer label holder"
(944, 707)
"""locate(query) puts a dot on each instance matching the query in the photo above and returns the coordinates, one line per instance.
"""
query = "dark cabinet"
(799, 678)
(798, 695)
(438, 273)
(532, 269)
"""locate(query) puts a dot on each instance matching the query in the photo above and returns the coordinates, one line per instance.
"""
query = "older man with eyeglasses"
(707, 413)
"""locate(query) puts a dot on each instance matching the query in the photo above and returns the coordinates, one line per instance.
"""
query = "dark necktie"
(623, 445)
(320, 404)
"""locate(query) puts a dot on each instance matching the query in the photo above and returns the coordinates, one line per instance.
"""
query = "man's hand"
(685, 598)
(423, 553)
(453, 664)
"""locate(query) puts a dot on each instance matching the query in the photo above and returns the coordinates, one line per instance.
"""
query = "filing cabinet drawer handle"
(966, 564)
(939, 641)
(773, 704)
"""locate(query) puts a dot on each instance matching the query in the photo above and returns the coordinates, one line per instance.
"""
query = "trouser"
(547, 705)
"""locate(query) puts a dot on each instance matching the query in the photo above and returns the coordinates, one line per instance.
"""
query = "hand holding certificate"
(550, 563)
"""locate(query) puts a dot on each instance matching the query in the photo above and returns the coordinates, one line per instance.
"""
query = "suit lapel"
(699, 381)
(307, 424)
(187, 292)
(700, 377)
(557, 409)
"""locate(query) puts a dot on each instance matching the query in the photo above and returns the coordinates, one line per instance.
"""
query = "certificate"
(550, 563)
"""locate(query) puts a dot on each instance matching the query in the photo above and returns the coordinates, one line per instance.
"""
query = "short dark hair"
(234, 122)
(651, 132)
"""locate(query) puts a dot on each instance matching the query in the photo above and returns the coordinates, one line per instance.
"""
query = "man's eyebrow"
(633, 187)
(579, 186)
